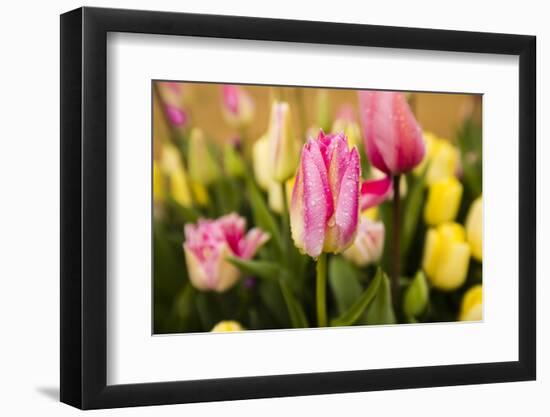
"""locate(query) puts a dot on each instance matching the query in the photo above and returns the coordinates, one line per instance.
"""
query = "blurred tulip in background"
(446, 256)
(443, 201)
(209, 242)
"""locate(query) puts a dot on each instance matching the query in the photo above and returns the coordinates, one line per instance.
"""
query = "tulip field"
(299, 207)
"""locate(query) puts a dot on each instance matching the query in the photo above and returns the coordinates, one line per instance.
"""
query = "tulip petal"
(297, 211)
(254, 239)
(411, 148)
(317, 200)
(347, 207)
(196, 272)
(367, 103)
(233, 227)
(374, 192)
(338, 157)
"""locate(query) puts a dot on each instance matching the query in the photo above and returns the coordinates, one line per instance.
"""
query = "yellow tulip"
(172, 166)
(260, 159)
(179, 188)
(350, 129)
(474, 228)
(203, 169)
(446, 256)
(158, 184)
(442, 157)
(260, 156)
(284, 146)
(200, 194)
(323, 110)
(443, 201)
(227, 326)
(472, 304)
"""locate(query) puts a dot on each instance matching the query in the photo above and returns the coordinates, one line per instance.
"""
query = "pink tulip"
(238, 108)
(209, 242)
(177, 116)
(393, 138)
(324, 209)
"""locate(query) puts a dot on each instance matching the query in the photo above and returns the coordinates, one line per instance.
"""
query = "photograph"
(279, 207)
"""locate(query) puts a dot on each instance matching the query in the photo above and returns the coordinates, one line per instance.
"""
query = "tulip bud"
(444, 163)
(348, 128)
(323, 110)
(177, 117)
(393, 138)
(261, 162)
(158, 184)
(275, 195)
(368, 244)
(209, 243)
(416, 296)
(227, 326)
(324, 210)
(203, 169)
(232, 162)
(260, 159)
(474, 228)
(442, 158)
(238, 108)
(446, 256)
(345, 123)
(471, 308)
(200, 194)
(179, 188)
(172, 166)
(284, 147)
(443, 201)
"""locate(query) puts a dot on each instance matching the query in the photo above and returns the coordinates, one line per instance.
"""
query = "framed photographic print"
(257, 208)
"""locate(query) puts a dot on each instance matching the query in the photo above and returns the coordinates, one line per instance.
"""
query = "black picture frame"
(84, 207)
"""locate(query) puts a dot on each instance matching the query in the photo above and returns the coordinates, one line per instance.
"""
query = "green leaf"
(187, 215)
(357, 309)
(297, 315)
(412, 210)
(344, 283)
(416, 296)
(272, 298)
(208, 311)
(469, 140)
(381, 309)
(263, 217)
(260, 269)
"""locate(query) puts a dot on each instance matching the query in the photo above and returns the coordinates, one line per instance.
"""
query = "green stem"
(396, 240)
(285, 214)
(321, 288)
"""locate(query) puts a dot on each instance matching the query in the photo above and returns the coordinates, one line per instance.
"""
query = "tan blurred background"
(439, 113)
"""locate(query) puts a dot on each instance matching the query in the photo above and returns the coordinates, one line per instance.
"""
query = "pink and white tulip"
(209, 242)
(324, 209)
(369, 243)
(393, 138)
(238, 108)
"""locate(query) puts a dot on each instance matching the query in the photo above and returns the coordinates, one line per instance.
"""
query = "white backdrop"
(29, 265)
